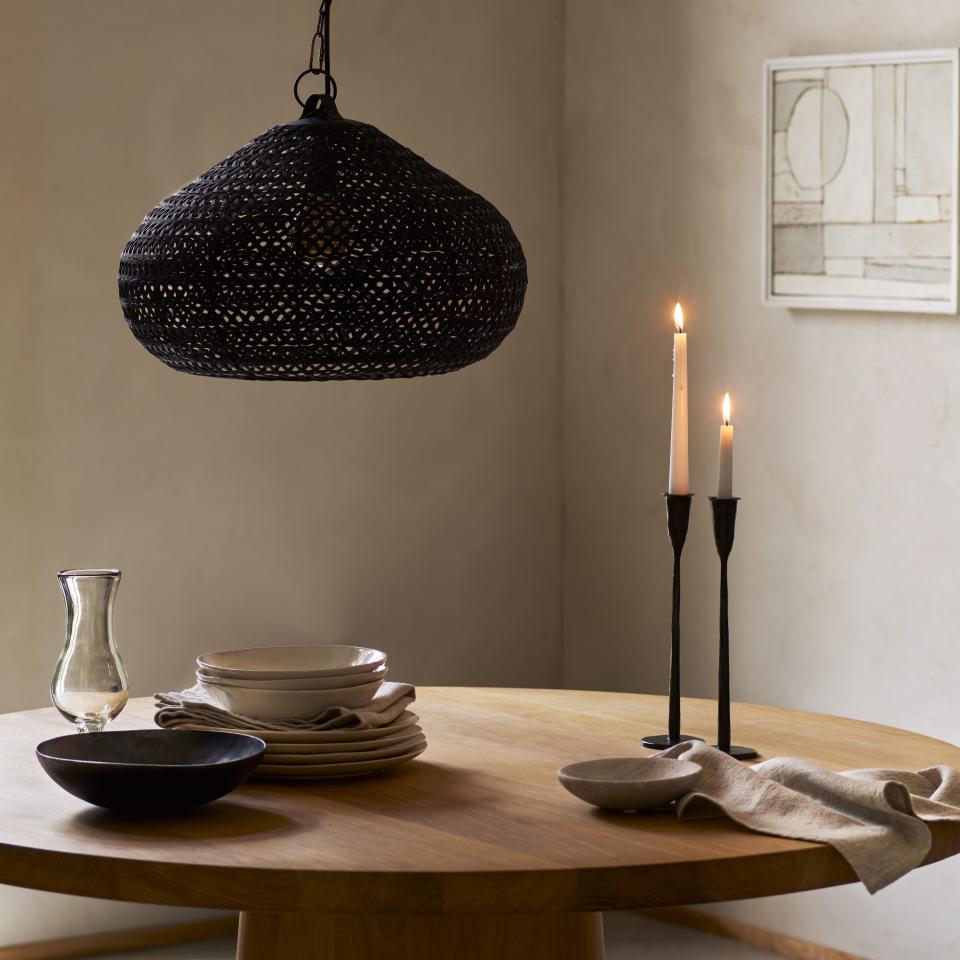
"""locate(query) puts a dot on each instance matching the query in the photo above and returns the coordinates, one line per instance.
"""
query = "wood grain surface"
(478, 825)
(293, 936)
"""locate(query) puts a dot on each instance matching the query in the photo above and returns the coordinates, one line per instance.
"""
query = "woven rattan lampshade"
(322, 250)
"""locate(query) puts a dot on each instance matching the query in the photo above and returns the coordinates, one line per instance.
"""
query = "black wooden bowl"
(150, 771)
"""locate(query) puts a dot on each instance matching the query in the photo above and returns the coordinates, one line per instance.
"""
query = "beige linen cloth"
(876, 819)
(194, 708)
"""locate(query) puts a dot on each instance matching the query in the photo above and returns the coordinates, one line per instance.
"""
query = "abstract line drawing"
(861, 181)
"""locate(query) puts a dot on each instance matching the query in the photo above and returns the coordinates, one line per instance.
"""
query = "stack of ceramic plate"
(300, 683)
(307, 754)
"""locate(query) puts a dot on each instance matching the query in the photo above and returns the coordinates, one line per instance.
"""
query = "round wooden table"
(473, 851)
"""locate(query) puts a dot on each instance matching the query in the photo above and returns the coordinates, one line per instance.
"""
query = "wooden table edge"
(564, 890)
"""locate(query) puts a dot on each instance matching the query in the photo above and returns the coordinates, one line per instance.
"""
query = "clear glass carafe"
(90, 685)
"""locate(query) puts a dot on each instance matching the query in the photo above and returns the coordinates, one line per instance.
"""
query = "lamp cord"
(319, 56)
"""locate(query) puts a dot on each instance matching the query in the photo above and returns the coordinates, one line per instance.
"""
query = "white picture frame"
(865, 259)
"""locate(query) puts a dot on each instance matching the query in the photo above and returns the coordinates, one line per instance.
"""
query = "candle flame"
(678, 318)
(726, 409)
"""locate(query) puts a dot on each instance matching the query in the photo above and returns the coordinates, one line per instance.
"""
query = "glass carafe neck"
(88, 596)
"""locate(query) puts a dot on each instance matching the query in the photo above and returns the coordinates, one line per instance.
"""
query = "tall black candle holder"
(678, 522)
(724, 525)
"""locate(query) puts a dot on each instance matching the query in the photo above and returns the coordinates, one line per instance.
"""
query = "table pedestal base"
(295, 936)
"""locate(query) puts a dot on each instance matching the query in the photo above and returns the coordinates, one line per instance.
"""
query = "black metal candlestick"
(724, 524)
(678, 521)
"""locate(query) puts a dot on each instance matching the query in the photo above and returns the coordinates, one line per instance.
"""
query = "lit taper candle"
(725, 471)
(679, 481)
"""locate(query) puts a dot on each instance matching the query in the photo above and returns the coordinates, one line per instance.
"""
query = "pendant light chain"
(319, 56)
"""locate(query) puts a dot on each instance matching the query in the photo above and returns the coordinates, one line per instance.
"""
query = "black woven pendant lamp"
(322, 250)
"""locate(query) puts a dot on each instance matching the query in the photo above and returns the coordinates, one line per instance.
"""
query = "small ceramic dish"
(288, 663)
(288, 704)
(150, 771)
(630, 783)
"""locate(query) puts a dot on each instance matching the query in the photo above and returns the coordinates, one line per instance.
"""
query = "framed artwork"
(860, 181)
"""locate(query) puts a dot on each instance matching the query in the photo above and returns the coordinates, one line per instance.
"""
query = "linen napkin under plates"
(193, 707)
(875, 819)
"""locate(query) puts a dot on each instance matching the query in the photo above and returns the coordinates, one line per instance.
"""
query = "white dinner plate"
(308, 759)
(326, 771)
(337, 735)
(346, 746)
(297, 683)
(285, 663)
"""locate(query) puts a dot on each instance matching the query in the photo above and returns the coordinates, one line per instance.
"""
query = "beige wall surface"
(420, 516)
(844, 595)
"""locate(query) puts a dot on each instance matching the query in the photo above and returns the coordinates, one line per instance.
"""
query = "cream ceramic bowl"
(287, 704)
(630, 783)
(289, 663)
(305, 683)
